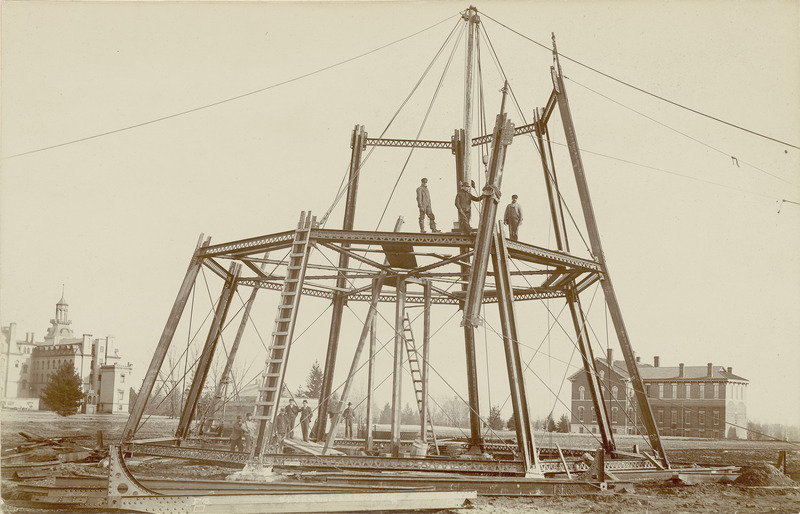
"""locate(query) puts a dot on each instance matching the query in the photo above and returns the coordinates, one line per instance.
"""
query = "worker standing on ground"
(291, 415)
(424, 204)
(251, 431)
(463, 202)
(305, 419)
(237, 435)
(281, 429)
(513, 217)
(348, 416)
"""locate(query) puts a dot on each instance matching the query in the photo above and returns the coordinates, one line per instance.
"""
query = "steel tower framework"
(414, 268)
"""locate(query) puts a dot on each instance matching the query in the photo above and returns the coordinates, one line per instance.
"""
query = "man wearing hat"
(424, 204)
(348, 416)
(513, 217)
(464, 201)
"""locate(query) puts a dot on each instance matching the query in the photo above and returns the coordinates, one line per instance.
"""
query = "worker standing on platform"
(424, 204)
(348, 416)
(305, 419)
(513, 217)
(464, 201)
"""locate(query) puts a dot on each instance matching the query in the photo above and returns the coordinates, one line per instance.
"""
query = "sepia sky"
(128, 129)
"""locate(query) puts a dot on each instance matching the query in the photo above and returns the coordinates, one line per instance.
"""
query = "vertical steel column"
(426, 352)
(370, 383)
(204, 364)
(597, 250)
(164, 342)
(397, 378)
(516, 382)
(358, 142)
(471, 15)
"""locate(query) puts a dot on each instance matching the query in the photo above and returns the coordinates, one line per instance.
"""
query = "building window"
(122, 379)
(16, 364)
(594, 415)
(24, 368)
(674, 417)
(702, 390)
(613, 414)
(687, 416)
(674, 390)
(660, 416)
(614, 391)
(716, 391)
(716, 417)
(660, 390)
(121, 395)
(602, 374)
(647, 389)
(701, 417)
(581, 393)
(688, 392)
(580, 414)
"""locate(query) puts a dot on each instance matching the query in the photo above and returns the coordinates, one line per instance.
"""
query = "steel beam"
(357, 145)
(516, 380)
(597, 250)
(207, 355)
(164, 342)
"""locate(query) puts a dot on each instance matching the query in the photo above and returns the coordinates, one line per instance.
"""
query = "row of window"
(687, 417)
(688, 390)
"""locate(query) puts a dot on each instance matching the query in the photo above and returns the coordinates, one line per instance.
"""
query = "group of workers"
(245, 431)
(464, 199)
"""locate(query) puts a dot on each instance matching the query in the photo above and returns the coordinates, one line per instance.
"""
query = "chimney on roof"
(730, 370)
(638, 359)
(655, 361)
(710, 369)
(610, 357)
(680, 370)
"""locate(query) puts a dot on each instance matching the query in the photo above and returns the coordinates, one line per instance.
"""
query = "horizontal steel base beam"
(438, 464)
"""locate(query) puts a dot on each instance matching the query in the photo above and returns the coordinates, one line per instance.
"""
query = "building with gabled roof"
(691, 401)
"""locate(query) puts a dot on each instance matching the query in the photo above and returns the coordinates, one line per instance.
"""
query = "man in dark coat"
(281, 429)
(237, 435)
(291, 414)
(513, 217)
(348, 416)
(424, 205)
(305, 419)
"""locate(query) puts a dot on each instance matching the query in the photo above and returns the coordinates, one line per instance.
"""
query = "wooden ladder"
(416, 373)
(278, 355)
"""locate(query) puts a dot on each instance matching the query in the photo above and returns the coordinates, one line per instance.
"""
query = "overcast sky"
(703, 249)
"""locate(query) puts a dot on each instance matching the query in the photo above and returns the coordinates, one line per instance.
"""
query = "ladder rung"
(280, 333)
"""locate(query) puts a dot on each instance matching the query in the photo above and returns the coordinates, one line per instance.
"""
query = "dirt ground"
(639, 498)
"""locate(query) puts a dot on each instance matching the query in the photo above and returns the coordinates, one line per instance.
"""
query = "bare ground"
(642, 497)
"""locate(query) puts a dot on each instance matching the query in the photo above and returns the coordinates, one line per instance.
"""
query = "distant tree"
(563, 424)
(511, 423)
(313, 387)
(549, 424)
(409, 416)
(386, 414)
(495, 419)
(63, 391)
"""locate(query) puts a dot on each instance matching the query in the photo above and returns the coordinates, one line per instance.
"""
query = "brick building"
(692, 401)
(25, 365)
